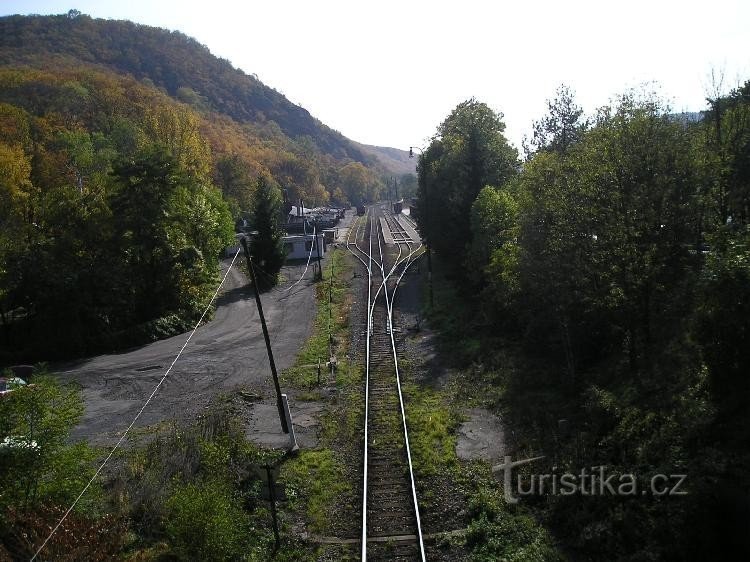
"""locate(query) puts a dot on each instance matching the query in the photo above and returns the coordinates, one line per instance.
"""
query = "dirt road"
(227, 352)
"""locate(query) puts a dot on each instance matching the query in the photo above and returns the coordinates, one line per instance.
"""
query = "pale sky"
(388, 72)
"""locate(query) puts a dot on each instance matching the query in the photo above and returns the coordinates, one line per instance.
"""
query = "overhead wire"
(270, 278)
(315, 241)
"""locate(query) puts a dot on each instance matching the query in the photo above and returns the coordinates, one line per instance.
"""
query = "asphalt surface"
(225, 353)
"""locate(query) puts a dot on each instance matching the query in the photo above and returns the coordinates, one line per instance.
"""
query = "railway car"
(398, 206)
(360, 210)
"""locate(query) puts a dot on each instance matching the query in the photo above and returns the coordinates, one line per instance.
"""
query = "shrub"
(206, 522)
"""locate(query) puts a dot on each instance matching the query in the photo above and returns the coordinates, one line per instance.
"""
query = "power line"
(268, 276)
(315, 241)
(138, 415)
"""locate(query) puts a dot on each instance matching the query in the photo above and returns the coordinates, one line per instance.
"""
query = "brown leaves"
(78, 537)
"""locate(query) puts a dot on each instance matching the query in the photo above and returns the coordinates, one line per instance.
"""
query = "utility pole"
(256, 290)
(426, 220)
(317, 245)
(330, 310)
(272, 499)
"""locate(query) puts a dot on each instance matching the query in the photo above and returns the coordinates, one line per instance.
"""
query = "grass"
(432, 424)
(321, 481)
(495, 530)
(331, 320)
(317, 478)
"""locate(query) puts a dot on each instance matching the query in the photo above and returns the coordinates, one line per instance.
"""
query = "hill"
(125, 153)
(310, 152)
(171, 60)
(394, 160)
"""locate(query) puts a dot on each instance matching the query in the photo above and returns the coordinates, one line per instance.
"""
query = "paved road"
(227, 352)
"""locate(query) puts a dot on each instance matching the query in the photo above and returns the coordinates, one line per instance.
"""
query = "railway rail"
(391, 525)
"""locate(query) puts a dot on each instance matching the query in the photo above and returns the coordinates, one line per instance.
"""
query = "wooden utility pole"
(256, 290)
(316, 234)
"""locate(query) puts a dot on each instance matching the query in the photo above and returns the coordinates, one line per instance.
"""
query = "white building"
(298, 247)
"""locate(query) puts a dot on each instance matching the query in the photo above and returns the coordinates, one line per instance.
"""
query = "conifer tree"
(267, 249)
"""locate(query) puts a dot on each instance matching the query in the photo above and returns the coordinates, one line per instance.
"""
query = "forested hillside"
(251, 124)
(126, 153)
(395, 160)
(111, 224)
(170, 60)
(605, 288)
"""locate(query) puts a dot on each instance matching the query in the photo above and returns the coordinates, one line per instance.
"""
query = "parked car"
(9, 384)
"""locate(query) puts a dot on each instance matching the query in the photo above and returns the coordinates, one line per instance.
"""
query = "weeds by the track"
(304, 374)
(494, 530)
(316, 479)
(323, 482)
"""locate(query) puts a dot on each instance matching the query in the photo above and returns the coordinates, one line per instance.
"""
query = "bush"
(496, 532)
(42, 467)
(206, 522)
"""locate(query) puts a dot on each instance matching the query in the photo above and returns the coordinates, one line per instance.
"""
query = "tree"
(407, 186)
(359, 183)
(15, 182)
(142, 216)
(38, 464)
(89, 157)
(468, 153)
(177, 128)
(724, 323)
(233, 178)
(727, 158)
(561, 128)
(494, 223)
(267, 249)
(606, 232)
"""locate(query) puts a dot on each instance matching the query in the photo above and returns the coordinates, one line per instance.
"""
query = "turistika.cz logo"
(594, 481)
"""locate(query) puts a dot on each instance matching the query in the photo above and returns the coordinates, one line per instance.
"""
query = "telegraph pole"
(317, 245)
(256, 290)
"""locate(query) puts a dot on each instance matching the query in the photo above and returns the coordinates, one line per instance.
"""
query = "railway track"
(391, 526)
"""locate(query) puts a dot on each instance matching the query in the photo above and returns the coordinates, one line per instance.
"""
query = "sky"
(389, 72)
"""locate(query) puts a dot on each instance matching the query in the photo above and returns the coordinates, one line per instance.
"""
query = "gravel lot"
(226, 353)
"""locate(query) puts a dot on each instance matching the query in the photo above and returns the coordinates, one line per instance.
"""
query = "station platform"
(387, 235)
(408, 228)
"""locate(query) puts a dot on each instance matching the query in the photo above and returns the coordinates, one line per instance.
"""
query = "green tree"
(232, 176)
(727, 158)
(267, 249)
(494, 221)
(562, 126)
(89, 157)
(142, 216)
(468, 153)
(607, 232)
(724, 324)
(38, 464)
